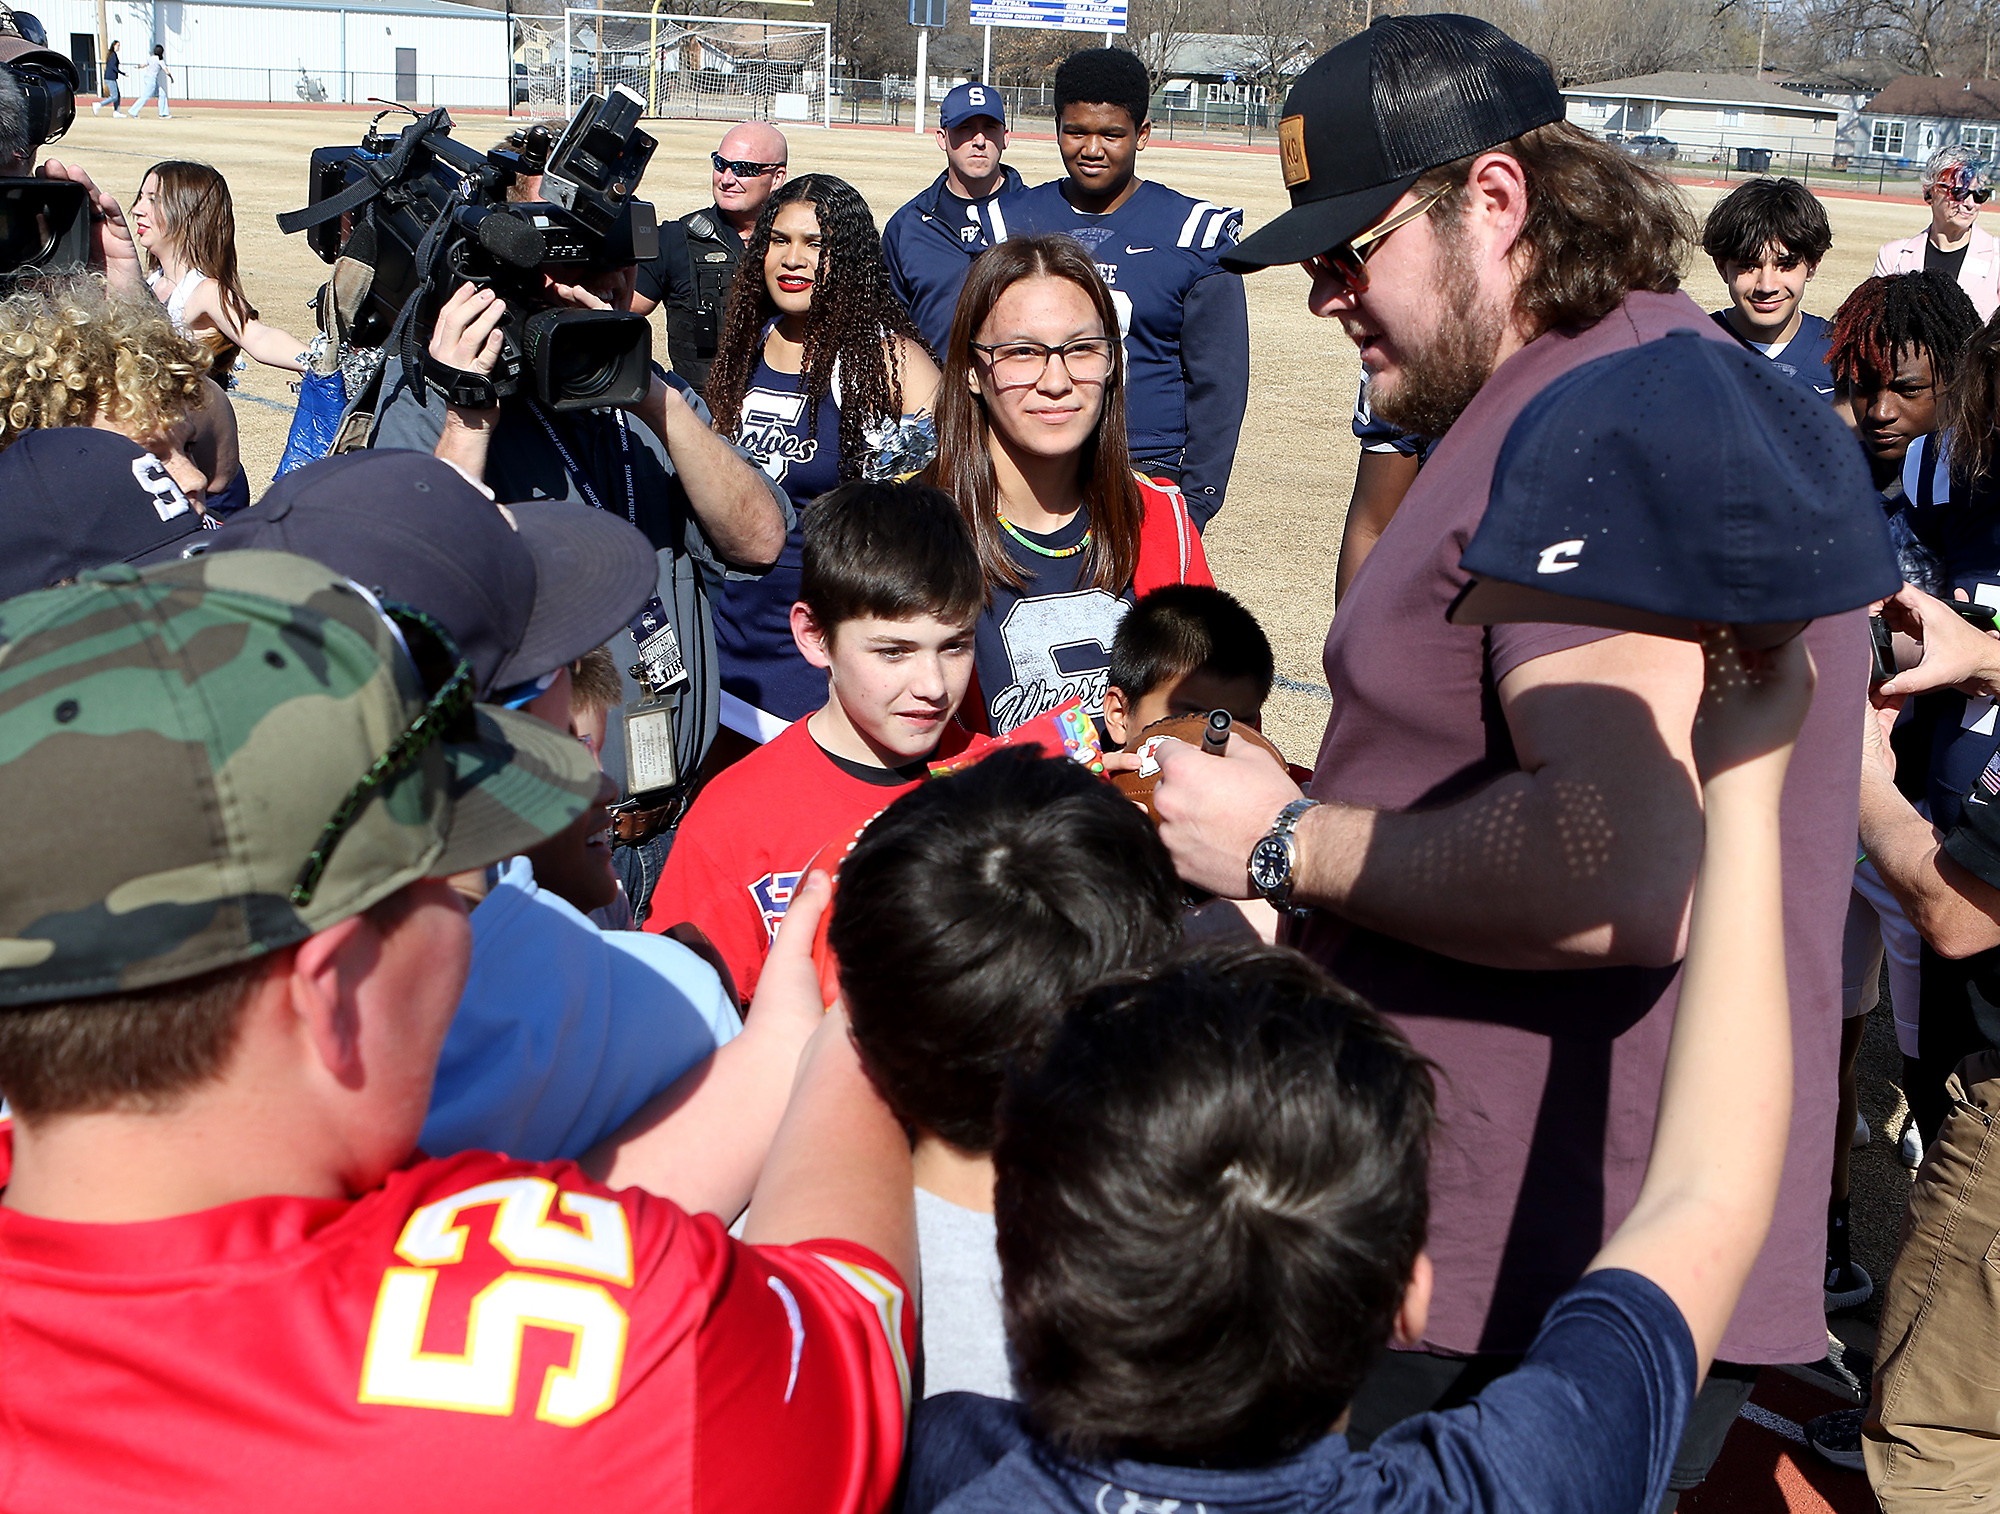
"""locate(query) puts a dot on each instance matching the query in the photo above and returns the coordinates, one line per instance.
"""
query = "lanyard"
(577, 475)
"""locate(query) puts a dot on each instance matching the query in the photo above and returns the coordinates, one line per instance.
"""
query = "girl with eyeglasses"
(815, 357)
(1956, 184)
(1031, 443)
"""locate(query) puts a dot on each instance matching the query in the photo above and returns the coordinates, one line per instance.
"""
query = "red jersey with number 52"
(479, 1333)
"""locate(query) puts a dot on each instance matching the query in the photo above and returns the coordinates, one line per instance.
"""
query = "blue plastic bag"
(322, 399)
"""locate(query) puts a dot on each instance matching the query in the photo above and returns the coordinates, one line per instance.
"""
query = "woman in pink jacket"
(1955, 186)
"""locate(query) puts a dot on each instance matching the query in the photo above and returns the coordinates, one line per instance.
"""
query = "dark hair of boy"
(890, 551)
(1766, 211)
(1211, 1193)
(973, 911)
(1887, 316)
(1104, 76)
(1183, 628)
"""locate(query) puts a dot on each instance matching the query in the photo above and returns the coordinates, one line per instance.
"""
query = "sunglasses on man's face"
(741, 169)
(1347, 264)
(446, 716)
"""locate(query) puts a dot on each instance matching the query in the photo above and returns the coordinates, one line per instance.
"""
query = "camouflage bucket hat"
(210, 759)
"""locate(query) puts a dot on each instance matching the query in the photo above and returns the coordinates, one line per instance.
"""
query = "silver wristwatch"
(1274, 860)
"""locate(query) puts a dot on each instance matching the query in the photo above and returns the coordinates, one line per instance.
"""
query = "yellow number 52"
(483, 1379)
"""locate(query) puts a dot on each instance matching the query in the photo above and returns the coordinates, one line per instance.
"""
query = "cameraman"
(111, 250)
(709, 514)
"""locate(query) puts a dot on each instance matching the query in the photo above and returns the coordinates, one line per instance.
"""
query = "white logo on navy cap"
(975, 96)
(1560, 557)
(166, 495)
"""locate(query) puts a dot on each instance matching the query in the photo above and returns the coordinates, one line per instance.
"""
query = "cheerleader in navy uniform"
(815, 355)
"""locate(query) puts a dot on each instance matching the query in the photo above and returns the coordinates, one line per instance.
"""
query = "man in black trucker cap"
(1503, 824)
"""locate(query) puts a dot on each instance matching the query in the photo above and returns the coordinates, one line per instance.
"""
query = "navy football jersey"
(1803, 357)
(1152, 250)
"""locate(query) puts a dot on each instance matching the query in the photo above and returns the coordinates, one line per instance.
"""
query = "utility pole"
(1763, 26)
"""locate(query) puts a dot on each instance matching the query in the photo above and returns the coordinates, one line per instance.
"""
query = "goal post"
(707, 67)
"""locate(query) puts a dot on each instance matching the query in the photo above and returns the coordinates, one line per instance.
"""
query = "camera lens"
(587, 358)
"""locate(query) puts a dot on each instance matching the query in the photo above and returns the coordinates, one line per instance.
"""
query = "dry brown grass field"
(1275, 542)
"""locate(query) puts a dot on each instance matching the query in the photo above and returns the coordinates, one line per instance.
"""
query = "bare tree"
(1160, 30)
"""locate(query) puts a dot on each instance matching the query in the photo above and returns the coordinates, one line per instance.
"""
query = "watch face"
(1270, 863)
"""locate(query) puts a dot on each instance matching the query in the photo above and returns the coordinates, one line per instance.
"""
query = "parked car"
(1652, 147)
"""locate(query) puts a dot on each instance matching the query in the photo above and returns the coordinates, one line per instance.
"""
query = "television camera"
(44, 223)
(421, 215)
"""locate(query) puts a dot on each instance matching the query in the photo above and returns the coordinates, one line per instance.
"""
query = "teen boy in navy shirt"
(1767, 238)
(1212, 1199)
(931, 241)
(1187, 329)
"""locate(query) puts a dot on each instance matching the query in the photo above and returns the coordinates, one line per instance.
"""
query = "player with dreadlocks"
(1895, 345)
(815, 352)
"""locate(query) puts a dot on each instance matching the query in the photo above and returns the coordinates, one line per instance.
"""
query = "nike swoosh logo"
(1138, 249)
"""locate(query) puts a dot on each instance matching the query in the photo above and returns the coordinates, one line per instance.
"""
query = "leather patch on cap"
(1292, 151)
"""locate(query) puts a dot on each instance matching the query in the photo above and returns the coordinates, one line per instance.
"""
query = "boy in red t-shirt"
(890, 595)
(227, 1280)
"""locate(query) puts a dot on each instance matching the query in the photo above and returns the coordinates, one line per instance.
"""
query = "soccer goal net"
(698, 66)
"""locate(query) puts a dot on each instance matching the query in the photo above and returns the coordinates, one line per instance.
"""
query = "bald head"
(741, 196)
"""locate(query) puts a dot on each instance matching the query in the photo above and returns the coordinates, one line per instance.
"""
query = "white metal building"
(419, 52)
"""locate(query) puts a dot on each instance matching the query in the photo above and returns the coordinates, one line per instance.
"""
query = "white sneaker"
(1910, 1149)
(97, 107)
(1862, 1134)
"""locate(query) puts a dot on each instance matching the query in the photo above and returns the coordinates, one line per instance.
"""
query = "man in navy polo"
(931, 241)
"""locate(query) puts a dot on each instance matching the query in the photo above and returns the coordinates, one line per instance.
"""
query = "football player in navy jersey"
(932, 240)
(1767, 238)
(1186, 328)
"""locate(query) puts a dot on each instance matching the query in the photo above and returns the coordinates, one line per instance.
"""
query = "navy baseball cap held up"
(1674, 485)
(1372, 116)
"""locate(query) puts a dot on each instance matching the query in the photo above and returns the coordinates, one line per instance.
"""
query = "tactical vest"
(691, 333)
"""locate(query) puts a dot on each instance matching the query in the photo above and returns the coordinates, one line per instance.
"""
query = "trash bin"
(1753, 159)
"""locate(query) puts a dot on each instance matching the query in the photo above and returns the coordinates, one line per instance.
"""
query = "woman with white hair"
(1956, 184)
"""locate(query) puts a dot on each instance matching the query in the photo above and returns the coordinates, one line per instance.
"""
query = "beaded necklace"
(1036, 547)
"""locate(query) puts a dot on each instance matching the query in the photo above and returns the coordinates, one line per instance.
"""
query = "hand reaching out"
(1956, 655)
(1752, 702)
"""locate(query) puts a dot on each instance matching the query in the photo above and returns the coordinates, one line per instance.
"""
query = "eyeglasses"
(741, 169)
(447, 716)
(1086, 360)
(1348, 263)
(1977, 196)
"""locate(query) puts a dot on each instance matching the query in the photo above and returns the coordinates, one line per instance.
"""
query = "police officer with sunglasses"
(699, 251)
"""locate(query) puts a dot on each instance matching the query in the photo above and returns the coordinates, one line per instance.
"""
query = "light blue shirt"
(565, 1030)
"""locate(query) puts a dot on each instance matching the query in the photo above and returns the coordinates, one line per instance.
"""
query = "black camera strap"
(382, 174)
(469, 391)
(581, 479)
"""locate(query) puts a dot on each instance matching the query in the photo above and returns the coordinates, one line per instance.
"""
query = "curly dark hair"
(1104, 76)
(853, 316)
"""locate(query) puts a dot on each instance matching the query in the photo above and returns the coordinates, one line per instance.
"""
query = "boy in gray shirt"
(969, 915)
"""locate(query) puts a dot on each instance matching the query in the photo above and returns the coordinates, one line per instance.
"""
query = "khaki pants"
(1932, 1436)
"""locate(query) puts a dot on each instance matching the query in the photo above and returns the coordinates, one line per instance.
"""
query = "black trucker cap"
(520, 600)
(1369, 118)
(1681, 483)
